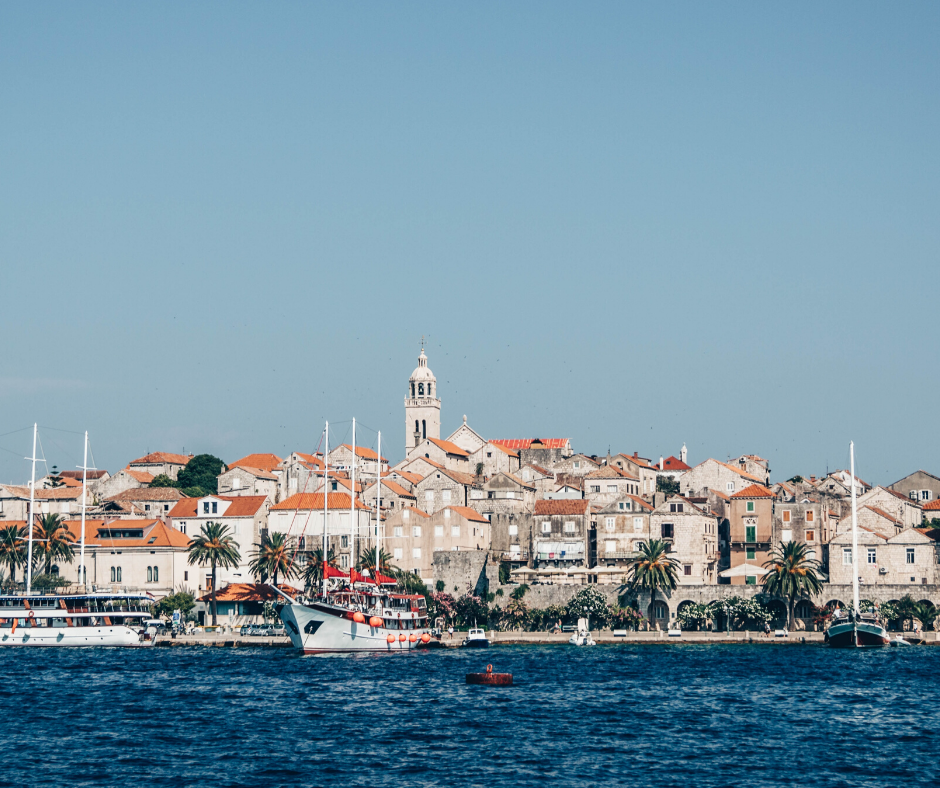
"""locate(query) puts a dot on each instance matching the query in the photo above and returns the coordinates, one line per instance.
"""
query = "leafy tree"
(271, 558)
(442, 605)
(367, 560)
(313, 572)
(439, 586)
(47, 582)
(52, 541)
(201, 471)
(625, 617)
(504, 569)
(515, 616)
(519, 591)
(792, 574)
(162, 480)
(795, 479)
(214, 546)
(693, 615)
(888, 612)
(470, 609)
(193, 492)
(668, 485)
(12, 549)
(181, 600)
(907, 610)
(410, 582)
(652, 570)
(751, 613)
(927, 614)
(589, 601)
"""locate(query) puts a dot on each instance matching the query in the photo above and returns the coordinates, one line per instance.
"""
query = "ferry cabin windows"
(910, 555)
(750, 506)
(872, 556)
(847, 556)
(750, 533)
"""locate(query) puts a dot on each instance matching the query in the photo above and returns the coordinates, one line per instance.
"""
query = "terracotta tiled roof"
(60, 494)
(156, 534)
(362, 451)
(638, 500)
(77, 475)
(525, 443)
(933, 506)
(719, 494)
(428, 460)
(263, 462)
(504, 449)
(141, 476)
(468, 514)
(397, 489)
(250, 592)
(450, 448)
(738, 471)
(68, 482)
(883, 513)
(754, 491)
(548, 508)
(16, 490)
(408, 476)
(610, 472)
(675, 464)
(539, 468)
(459, 477)
(157, 457)
(149, 494)
(637, 460)
(875, 533)
(335, 500)
(415, 511)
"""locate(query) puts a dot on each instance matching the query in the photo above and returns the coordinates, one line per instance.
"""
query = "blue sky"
(221, 224)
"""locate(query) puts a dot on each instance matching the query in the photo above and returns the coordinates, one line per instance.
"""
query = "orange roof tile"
(883, 513)
(738, 471)
(60, 494)
(754, 491)
(505, 449)
(362, 451)
(675, 464)
(149, 494)
(468, 514)
(525, 443)
(450, 448)
(933, 506)
(396, 488)
(156, 534)
(335, 500)
(91, 475)
(415, 510)
(263, 462)
(610, 472)
(414, 478)
(141, 476)
(637, 499)
(250, 592)
(548, 508)
(157, 457)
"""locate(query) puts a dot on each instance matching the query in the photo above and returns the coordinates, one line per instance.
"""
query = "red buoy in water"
(490, 678)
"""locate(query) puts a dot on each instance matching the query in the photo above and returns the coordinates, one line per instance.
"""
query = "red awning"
(332, 571)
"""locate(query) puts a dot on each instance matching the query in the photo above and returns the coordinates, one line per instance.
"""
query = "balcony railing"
(508, 555)
(563, 556)
(622, 554)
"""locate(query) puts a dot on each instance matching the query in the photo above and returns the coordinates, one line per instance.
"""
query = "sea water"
(633, 715)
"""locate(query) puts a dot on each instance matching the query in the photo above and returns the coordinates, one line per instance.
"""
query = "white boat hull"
(318, 630)
(64, 637)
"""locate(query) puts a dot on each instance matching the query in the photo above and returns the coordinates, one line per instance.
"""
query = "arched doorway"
(658, 614)
(778, 609)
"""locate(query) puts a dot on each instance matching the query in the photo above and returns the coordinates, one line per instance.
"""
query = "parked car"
(158, 627)
(278, 630)
(262, 630)
(245, 630)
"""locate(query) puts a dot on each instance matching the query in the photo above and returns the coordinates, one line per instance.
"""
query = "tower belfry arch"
(422, 405)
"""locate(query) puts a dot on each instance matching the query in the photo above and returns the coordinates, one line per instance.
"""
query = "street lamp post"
(727, 619)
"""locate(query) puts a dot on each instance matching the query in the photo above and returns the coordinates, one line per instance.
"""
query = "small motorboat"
(899, 641)
(583, 636)
(476, 638)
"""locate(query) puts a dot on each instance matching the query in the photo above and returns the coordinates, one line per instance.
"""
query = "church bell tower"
(422, 406)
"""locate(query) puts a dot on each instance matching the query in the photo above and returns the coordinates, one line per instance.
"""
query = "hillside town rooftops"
(364, 452)
(263, 462)
(159, 457)
(149, 494)
(449, 448)
(468, 514)
(335, 500)
(77, 475)
(674, 464)
(562, 507)
(526, 443)
(140, 476)
(754, 491)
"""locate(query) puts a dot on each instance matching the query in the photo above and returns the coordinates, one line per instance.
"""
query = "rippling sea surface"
(671, 715)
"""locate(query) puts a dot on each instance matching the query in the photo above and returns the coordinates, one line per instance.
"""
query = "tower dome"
(422, 372)
(422, 405)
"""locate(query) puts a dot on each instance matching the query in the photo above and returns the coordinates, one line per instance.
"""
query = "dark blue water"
(621, 715)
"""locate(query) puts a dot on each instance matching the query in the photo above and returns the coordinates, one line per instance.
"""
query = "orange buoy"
(375, 622)
(425, 638)
(401, 637)
(490, 678)
(390, 639)
(359, 618)
(413, 637)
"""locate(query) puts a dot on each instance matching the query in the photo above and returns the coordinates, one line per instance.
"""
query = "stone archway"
(778, 609)
(657, 613)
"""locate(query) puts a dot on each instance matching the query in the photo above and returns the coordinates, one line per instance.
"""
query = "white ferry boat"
(91, 619)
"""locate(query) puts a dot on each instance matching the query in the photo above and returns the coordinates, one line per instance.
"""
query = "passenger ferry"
(90, 619)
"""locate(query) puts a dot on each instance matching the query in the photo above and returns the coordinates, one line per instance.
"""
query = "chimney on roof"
(660, 462)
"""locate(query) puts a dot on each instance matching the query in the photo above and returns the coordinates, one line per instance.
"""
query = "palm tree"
(52, 541)
(792, 573)
(214, 546)
(272, 558)
(367, 561)
(652, 570)
(313, 573)
(12, 549)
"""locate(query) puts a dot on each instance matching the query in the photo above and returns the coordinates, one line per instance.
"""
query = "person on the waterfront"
(766, 629)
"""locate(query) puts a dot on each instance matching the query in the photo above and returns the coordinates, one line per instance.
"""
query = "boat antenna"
(854, 532)
(326, 494)
(32, 514)
(352, 504)
(81, 560)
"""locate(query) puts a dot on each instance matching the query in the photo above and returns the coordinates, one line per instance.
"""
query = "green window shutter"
(750, 553)
(750, 580)
(750, 533)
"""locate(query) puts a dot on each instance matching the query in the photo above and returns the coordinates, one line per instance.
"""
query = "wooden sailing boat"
(856, 630)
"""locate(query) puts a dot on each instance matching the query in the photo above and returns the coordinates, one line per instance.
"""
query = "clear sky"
(631, 225)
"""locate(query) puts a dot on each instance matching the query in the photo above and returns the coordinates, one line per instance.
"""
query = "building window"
(786, 536)
(610, 523)
(424, 429)
(416, 553)
(595, 488)
(445, 496)
(750, 506)
(750, 553)
(149, 574)
(637, 525)
(569, 527)
(925, 495)
(810, 516)
(489, 454)
(513, 529)
(344, 561)
(668, 531)
(447, 514)
(750, 580)
(786, 515)
(182, 528)
(610, 546)
(611, 488)
(872, 556)
(429, 496)
(750, 533)
(455, 530)
(397, 554)
(546, 528)
(215, 506)
(146, 507)
(846, 556)
(687, 570)
(205, 507)
(397, 531)
(910, 555)
(416, 530)
(438, 530)
(186, 575)
(730, 487)
(620, 506)
(577, 464)
(810, 536)
(676, 507)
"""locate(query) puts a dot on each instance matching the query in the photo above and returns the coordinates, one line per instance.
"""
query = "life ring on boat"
(359, 618)
(375, 622)
(390, 639)
(401, 637)
(31, 618)
(413, 637)
(425, 638)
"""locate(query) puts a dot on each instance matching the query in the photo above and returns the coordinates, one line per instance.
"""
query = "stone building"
(546, 452)
(608, 484)
(395, 496)
(161, 462)
(906, 558)
(908, 511)
(368, 462)
(245, 480)
(751, 527)
(152, 501)
(443, 488)
(874, 519)
(802, 520)
(640, 467)
(413, 536)
(422, 406)
(492, 458)
(125, 479)
(716, 475)
(755, 466)
(563, 533)
(294, 473)
(444, 453)
(511, 538)
(541, 478)
(672, 468)
(503, 493)
(918, 486)
(577, 465)
(466, 438)
(621, 526)
(692, 534)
